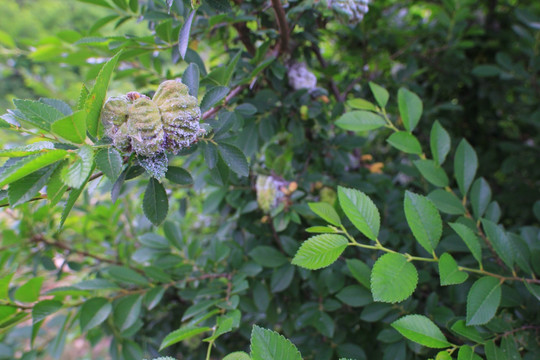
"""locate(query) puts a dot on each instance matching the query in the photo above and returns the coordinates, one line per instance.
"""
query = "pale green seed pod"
(114, 114)
(267, 193)
(145, 128)
(180, 115)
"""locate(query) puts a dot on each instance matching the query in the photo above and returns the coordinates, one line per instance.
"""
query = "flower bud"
(301, 78)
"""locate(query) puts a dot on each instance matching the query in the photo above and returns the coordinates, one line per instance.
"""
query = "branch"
(228, 98)
(283, 26)
(339, 97)
(243, 35)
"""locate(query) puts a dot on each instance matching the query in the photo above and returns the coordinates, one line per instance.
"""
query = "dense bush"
(356, 176)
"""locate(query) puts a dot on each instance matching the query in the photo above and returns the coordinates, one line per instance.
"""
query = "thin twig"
(333, 86)
(283, 26)
(208, 114)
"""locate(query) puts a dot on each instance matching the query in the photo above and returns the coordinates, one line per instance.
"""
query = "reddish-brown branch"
(333, 86)
(283, 26)
(228, 98)
(243, 35)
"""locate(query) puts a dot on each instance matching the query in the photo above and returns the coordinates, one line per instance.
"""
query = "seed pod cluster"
(168, 122)
(300, 77)
(353, 9)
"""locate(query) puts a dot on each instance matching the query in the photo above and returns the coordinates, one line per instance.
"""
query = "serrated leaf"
(465, 166)
(410, 108)
(45, 308)
(37, 114)
(76, 174)
(126, 311)
(238, 355)
(94, 101)
(269, 345)
(468, 332)
(83, 95)
(500, 241)
(446, 202)
(406, 142)
(493, 352)
(183, 37)
(185, 332)
(234, 158)
(71, 127)
(421, 330)
(355, 296)
(191, 79)
(179, 176)
(20, 167)
(361, 211)
(109, 161)
(381, 94)
(213, 96)
(320, 251)
(155, 202)
(424, 220)
(320, 229)
(432, 172)
(268, 256)
(483, 300)
(448, 271)
(360, 121)
(393, 278)
(439, 142)
(72, 198)
(29, 291)
(20, 151)
(126, 275)
(326, 212)
(361, 104)
(470, 239)
(94, 312)
(480, 197)
(24, 189)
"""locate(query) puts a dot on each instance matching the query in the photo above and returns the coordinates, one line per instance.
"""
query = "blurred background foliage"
(475, 65)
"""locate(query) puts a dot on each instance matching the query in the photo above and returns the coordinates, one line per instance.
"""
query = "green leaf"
(486, 71)
(449, 272)
(179, 176)
(20, 167)
(94, 101)
(6, 39)
(439, 142)
(269, 345)
(94, 312)
(58, 105)
(493, 352)
(126, 311)
(421, 330)
(424, 220)
(72, 198)
(360, 271)
(480, 197)
(320, 251)
(4, 286)
(410, 108)
(97, 2)
(153, 297)
(326, 212)
(468, 332)
(126, 275)
(380, 94)
(446, 202)
(185, 332)
(71, 127)
(24, 189)
(155, 202)
(238, 355)
(29, 291)
(37, 113)
(220, 5)
(191, 79)
(45, 308)
(405, 142)
(361, 211)
(234, 158)
(20, 151)
(355, 295)
(360, 121)
(183, 37)
(213, 96)
(467, 353)
(361, 104)
(109, 161)
(500, 241)
(533, 289)
(83, 96)
(465, 166)
(268, 256)
(483, 300)
(393, 278)
(320, 229)
(432, 172)
(76, 174)
(470, 239)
